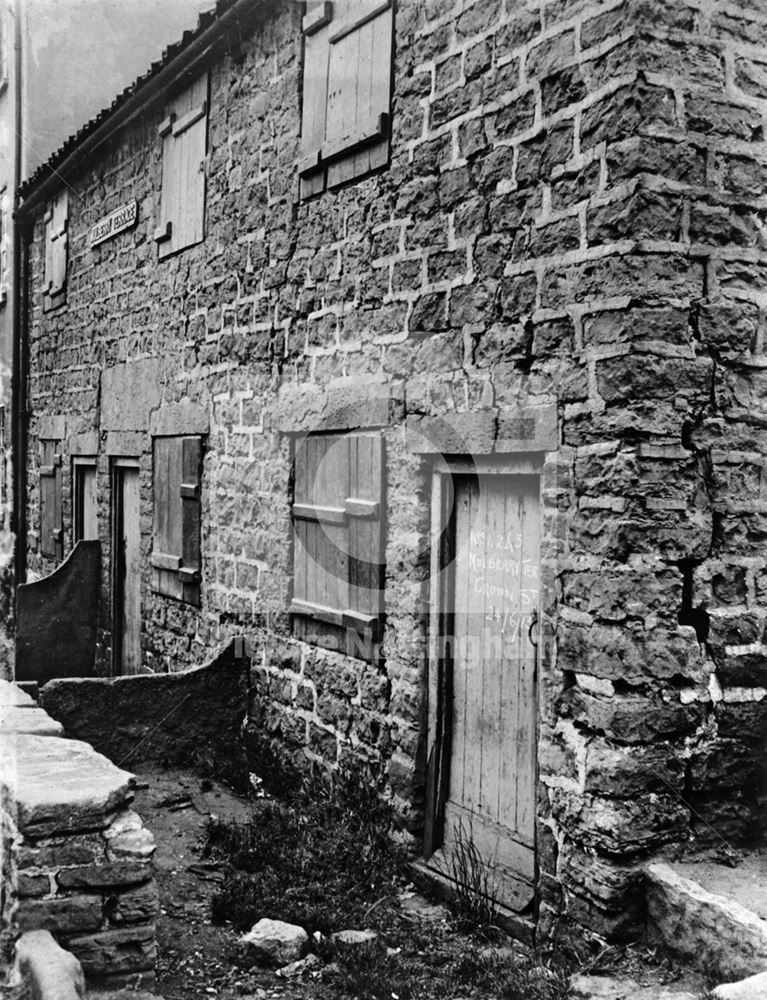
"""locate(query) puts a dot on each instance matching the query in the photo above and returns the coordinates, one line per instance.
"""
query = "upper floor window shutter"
(317, 18)
(51, 524)
(56, 251)
(184, 133)
(347, 91)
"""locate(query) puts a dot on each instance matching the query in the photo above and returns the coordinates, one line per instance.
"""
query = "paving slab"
(24, 719)
(744, 881)
(623, 988)
(60, 785)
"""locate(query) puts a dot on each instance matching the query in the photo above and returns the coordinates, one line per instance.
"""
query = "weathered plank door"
(490, 652)
(127, 571)
(86, 501)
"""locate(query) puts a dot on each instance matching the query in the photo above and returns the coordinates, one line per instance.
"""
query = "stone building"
(423, 349)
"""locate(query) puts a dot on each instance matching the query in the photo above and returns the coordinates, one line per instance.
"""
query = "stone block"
(628, 826)
(632, 718)
(468, 433)
(63, 915)
(61, 784)
(112, 952)
(703, 928)
(127, 872)
(51, 972)
(631, 654)
(751, 988)
(12, 696)
(132, 906)
(625, 772)
(33, 721)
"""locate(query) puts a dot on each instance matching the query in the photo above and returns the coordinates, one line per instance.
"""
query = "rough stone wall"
(76, 860)
(95, 892)
(572, 215)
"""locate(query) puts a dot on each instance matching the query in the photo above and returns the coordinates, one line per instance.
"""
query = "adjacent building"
(422, 348)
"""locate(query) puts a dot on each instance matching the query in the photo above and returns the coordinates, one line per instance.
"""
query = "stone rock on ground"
(353, 940)
(52, 972)
(753, 988)
(273, 942)
(295, 969)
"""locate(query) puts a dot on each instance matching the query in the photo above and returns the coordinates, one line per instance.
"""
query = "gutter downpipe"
(19, 323)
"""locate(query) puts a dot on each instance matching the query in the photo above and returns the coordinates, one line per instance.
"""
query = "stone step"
(27, 719)
(708, 930)
(60, 785)
(12, 695)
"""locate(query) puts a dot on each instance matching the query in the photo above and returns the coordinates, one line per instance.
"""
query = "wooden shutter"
(315, 26)
(338, 547)
(322, 472)
(347, 91)
(51, 530)
(175, 555)
(359, 85)
(364, 507)
(184, 133)
(56, 251)
(189, 492)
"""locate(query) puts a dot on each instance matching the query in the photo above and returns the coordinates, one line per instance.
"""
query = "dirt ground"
(197, 958)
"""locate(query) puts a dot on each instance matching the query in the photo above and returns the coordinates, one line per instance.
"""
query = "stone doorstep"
(706, 929)
(441, 887)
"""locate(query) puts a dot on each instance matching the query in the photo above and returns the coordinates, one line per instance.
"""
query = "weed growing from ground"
(474, 900)
(323, 859)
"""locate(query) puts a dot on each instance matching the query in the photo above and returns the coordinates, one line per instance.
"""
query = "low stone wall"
(192, 717)
(77, 861)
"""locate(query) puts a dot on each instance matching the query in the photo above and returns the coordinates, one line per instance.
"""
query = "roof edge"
(134, 99)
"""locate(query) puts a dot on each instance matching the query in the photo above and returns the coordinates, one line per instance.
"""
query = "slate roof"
(205, 20)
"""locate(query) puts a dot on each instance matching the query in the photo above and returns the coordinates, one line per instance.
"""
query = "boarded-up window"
(338, 541)
(177, 465)
(51, 528)
(56, 251)
(184, 133)
(347, 91)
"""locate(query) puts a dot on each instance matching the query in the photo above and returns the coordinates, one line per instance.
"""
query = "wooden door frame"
(439, 667)
(117, 464)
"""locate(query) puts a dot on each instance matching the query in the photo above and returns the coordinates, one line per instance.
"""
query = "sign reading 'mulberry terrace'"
(116, 222)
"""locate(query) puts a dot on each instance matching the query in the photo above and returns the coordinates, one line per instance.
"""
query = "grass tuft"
(474, 900)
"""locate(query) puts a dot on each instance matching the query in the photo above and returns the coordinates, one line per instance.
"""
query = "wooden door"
(491, 652)
(86, 501)
(127, 571)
